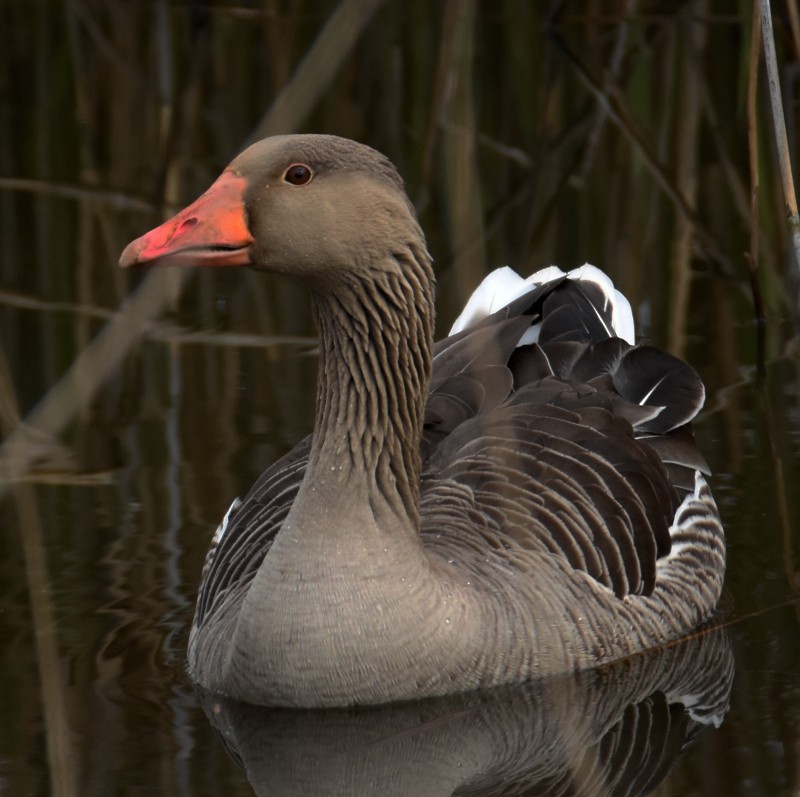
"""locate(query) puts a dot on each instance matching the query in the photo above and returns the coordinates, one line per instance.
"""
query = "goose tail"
(598, 305)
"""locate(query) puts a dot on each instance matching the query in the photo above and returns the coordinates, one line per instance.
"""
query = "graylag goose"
(521, 499)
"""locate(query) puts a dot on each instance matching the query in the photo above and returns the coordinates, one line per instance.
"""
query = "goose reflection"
(612, 731)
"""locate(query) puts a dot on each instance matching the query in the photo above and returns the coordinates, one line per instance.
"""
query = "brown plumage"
(524, 498)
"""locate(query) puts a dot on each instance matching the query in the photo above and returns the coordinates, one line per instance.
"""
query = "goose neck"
(375, 363)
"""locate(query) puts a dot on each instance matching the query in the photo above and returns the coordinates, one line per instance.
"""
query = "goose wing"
(246, 533)
(575, 444)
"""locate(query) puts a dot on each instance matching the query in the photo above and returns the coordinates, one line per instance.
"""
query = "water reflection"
(614, 731)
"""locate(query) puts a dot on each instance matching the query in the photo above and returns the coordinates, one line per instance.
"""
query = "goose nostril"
(185, 225)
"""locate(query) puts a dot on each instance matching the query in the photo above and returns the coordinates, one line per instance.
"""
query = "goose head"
(316, 208)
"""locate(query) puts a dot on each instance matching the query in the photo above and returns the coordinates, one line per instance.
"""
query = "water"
(103, 539)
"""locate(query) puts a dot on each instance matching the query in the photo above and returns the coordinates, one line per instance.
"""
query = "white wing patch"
(498, 289)
(223, 527)
(217, 538)
(504, 285)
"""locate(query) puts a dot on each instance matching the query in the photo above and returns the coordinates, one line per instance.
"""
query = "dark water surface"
(111, 112)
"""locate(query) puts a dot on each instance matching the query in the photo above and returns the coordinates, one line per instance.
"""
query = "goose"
(522, 499)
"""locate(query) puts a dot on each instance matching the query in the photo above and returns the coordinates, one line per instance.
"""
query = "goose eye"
(298, 174)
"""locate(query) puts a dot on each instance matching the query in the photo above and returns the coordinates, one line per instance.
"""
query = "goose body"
(521, 499)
